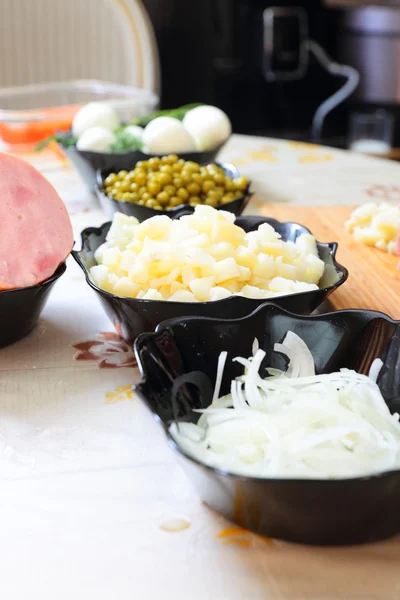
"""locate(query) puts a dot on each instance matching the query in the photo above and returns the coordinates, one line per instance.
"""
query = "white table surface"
(88, 483)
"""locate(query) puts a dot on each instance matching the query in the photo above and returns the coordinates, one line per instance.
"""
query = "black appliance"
(249, 58)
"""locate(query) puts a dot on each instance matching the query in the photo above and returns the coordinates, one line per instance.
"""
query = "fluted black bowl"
(111, 206)
(324, 512)
(20, 308)
(88, 162)
(132, 316)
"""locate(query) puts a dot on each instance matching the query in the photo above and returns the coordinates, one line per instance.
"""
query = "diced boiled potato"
(128, 260)
(249, 291)
(125, 287)
(375, 225)
(246, 257)
(367, 235)
(201, 287)
(204, 257)
(99, 274)
(98, 255)
(286, 271)
(232, 285)
(219, 293)
(382, 245)
(222, 250)
(112, 257)
(223, 231)
(244, 273)
(226, 269)
(189, 273)
(155, 228)
(152, 294)
(306, 244)
(182, 296)
(259, 282)
(139, 273)
(265, 266)
(315, 269)
(280, 284)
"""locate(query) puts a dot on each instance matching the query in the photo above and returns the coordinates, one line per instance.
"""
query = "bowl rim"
(73, 148)
(332, 246)
(246, 196)
(62, 267)
(164, 325)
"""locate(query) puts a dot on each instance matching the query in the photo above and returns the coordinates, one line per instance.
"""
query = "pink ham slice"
(35, 230)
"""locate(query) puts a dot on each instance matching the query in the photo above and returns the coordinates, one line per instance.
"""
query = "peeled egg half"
(95, 114)
(166, 135)
(209, 126)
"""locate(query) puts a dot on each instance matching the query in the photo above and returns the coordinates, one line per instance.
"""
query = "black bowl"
(88, 162)
(111, 206)
(132, 316)
(324, 512)
(20, 308)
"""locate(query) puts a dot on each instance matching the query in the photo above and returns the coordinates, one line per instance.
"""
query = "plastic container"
(31, 113)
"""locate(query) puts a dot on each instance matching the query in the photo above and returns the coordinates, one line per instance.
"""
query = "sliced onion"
(295, 423)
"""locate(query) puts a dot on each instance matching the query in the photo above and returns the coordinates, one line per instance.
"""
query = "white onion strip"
(310, 426)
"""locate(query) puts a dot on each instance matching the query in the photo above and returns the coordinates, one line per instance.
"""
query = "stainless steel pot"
(369, 40)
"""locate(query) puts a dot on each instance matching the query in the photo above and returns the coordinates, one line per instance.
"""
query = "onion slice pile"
(295, 423)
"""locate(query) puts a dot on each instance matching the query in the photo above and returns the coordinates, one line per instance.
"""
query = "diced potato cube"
(152, 294)
(201, 287)
(226, 269)
(125, 287)
(227, 232)
(99, 274)
(98, 255)
(127, 261)
(111, 257)
(222, 250)
(155, 228)
(219, 293)
(182, 296)
(265, 266)
(189, 273)
(232, 285)
(287, 271)
(244, 274)
(245, 257)
(250, 291)
(306, 244)
(139, 273)
(280, 284)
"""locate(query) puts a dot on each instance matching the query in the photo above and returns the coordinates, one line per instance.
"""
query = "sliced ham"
(35, 230)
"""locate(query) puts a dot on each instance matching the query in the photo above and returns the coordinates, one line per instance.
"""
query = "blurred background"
(269, 65)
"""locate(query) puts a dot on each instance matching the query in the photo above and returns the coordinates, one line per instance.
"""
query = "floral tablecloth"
(92, 503)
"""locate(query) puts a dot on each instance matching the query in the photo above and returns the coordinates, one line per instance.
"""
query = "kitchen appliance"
(370, 41)
(251, 58)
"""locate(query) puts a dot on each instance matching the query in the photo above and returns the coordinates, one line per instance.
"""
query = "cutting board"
(374, 280)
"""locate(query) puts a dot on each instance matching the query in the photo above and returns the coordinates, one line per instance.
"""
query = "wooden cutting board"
(374, 280)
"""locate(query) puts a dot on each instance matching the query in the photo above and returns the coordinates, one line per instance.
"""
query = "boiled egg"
(209, 127)
(95, 114)
(165, 135)
(96, 139)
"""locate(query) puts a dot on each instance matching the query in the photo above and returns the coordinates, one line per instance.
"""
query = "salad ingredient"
(95, 114)
(166, 134)
(294, 423)
(376, 225)
(168, 182)
(36, 233)
(96, 139)
(209, 126)
(203, 257)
